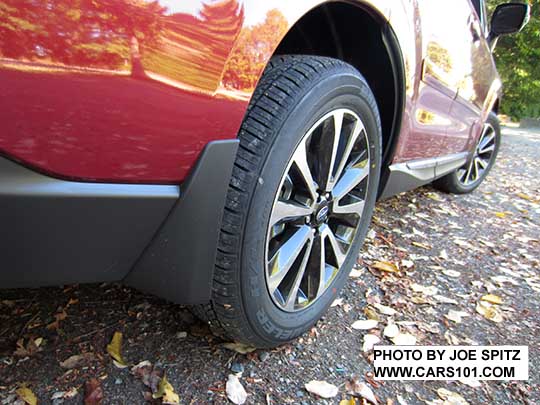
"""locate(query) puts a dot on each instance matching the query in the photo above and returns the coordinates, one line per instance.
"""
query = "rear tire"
(294, 94)
(468, 178)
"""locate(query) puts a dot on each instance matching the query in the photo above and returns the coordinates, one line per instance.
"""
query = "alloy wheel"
(318, 210)
(473, 172)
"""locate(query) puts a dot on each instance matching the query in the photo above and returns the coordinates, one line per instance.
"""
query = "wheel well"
(361, 38)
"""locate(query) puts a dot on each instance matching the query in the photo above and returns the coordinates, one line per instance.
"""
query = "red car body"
(112, 98)
(131, 91)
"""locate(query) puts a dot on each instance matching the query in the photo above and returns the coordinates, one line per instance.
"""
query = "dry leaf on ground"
(115, 350)
(166, 392)
(239, 347)
(426, 290)
(93, 392)
(365, 324)
(369, 342)
(391, 330)
(25, 394)
(456, 316)
(360, 389)
(76, 360)
(404, 339)
(492, 299)
(322, 389)
(489, 312)
(383, 309)
(451, 397)
(387, 267)
(235, 391)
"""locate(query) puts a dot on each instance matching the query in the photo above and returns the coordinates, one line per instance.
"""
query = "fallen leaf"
(166, 392)
(452, 273)
(239, 347)
(452, 339)
(456, 316)
(369, 342)
(365, 324)
(387, 267)
(351, 401)
(492, 299)
(337, 302)
(115, 350)
(501, 280)
(29, 348)
(322, 389)
(471, 383)
(356, 273)
(421, 245)
(500, 214)
(445, 300)
(408, 264)
(434, 196)
(426, 290)
(404, 339)
(70, 394)
(360, 389)
(25, 394)
(60, 316)
(93, 392)
(391, 330)
(451, 397)
(371, 313)
(148, 374)
(385, 310)
(76, 360)
(489, 312)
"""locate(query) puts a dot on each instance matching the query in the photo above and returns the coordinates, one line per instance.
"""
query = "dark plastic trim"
(55, 232)
(178, 265)
(391, 43)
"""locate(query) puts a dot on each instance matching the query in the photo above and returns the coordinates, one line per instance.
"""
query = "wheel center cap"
(322, 214)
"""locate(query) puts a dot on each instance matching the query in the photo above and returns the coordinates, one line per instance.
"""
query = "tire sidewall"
(345, 90)
(463, 189)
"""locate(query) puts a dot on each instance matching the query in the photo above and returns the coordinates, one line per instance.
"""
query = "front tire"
(300, 200)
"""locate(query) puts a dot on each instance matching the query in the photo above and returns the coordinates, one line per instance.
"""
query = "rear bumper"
(158, 238)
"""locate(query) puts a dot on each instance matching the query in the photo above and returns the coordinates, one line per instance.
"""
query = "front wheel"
(300, 200)
(468, 178)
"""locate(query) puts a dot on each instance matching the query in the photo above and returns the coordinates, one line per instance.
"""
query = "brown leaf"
(93, 392)
(387, 267)
(76, 360)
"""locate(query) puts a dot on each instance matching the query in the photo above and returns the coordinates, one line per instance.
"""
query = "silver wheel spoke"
(358, 129)
(293, 292)
(350, 179)
(336, 249)
(354, 208)
(284, 258)
(320, 263)
(287, 210)
(300, 159)
(468, 175)
(483, 163)
(486, 149)
(329, 147)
